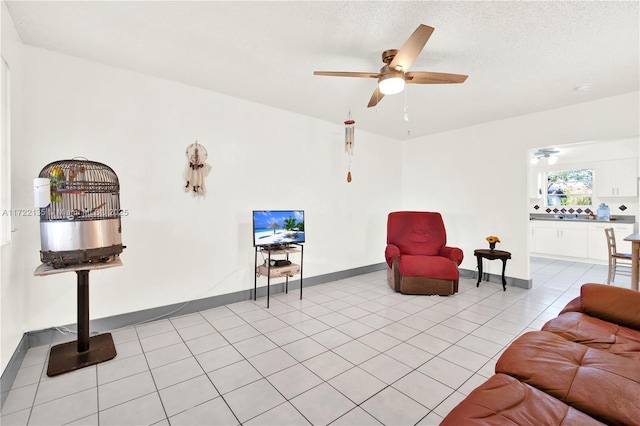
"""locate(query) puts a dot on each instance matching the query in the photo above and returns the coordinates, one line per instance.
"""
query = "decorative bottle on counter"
(603, 212)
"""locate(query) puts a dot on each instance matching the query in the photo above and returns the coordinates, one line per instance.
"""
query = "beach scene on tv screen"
(278, 227)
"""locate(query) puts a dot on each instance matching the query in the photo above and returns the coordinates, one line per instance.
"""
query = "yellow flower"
(493, 239)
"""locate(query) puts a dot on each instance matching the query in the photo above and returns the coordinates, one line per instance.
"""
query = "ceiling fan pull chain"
(406, 113)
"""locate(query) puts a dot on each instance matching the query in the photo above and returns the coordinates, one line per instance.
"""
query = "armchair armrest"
(391, 252)
(453, 253)
(614, 304)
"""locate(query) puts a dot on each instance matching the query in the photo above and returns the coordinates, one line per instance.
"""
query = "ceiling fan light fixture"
(391, 83)
(548, 153)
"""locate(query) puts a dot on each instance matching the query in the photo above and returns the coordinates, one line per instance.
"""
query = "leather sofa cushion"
(503, 400)
(572, 306)
(596, 333)
(613, 304)
(436, 267)
(590, 380)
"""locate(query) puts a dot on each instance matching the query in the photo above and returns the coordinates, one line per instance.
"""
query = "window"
(570, 187)
(5, 158)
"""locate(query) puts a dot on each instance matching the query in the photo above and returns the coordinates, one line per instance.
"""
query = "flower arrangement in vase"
(492, 239)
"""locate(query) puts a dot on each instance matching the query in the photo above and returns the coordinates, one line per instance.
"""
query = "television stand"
(270, 270)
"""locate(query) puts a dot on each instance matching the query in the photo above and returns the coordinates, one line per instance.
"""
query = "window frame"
(547, 195)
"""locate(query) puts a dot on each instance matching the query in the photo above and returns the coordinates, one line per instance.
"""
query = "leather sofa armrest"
(453, 253)
(614, 304)
(573, 306)
(391, 252)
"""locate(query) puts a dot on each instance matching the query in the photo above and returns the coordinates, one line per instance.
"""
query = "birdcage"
(82, 223)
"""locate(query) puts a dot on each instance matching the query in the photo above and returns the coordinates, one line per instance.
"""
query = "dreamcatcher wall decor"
(197, 169)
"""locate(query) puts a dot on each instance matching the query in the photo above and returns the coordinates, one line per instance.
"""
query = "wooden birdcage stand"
(86, 350)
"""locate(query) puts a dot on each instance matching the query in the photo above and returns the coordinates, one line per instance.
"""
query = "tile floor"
(352, 352)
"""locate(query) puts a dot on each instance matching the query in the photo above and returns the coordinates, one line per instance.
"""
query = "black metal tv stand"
(271, 270)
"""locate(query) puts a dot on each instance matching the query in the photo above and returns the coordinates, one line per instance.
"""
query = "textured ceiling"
(521, 57)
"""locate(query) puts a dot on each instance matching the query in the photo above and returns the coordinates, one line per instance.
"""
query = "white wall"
(12, 292)
(477, 176)
(180, 248)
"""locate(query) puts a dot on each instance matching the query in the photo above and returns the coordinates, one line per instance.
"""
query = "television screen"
(278, 227)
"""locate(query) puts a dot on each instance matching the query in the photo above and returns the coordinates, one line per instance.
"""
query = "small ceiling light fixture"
(548, 153)
(391, 83)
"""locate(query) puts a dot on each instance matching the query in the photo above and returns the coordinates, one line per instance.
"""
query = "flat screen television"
(277, 227)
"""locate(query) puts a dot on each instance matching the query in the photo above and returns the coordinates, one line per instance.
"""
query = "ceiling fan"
(393, 76)
(548, 153)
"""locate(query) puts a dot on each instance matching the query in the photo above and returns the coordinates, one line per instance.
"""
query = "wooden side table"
(492, 255)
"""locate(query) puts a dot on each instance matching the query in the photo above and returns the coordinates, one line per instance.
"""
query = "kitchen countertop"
(581, 218)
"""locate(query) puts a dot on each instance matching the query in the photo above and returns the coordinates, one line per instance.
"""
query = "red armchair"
(419, 260)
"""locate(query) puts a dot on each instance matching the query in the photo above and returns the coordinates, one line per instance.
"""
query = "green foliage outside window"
(570, 187)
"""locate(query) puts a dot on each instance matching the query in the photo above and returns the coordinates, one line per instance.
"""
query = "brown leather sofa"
(582, 368)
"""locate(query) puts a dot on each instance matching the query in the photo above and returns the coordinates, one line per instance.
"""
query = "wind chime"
(349, 143)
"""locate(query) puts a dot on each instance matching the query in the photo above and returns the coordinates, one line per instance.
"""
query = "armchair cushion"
(419, 233)
(437, 267)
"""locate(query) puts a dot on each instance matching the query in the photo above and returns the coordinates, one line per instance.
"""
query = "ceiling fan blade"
(375, 98)
(347, 74)
(423, 77)
(411, 48)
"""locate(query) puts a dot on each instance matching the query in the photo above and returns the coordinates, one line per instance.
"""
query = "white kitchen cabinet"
(598, 241)
(616, 178)
(560, 238)
(547, 240)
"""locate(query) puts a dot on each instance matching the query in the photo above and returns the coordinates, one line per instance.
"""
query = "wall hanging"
(197, 169)
(349, 143)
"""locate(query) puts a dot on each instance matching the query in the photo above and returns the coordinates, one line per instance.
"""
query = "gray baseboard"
(495, 278)
(52, 336)
(9, 374)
